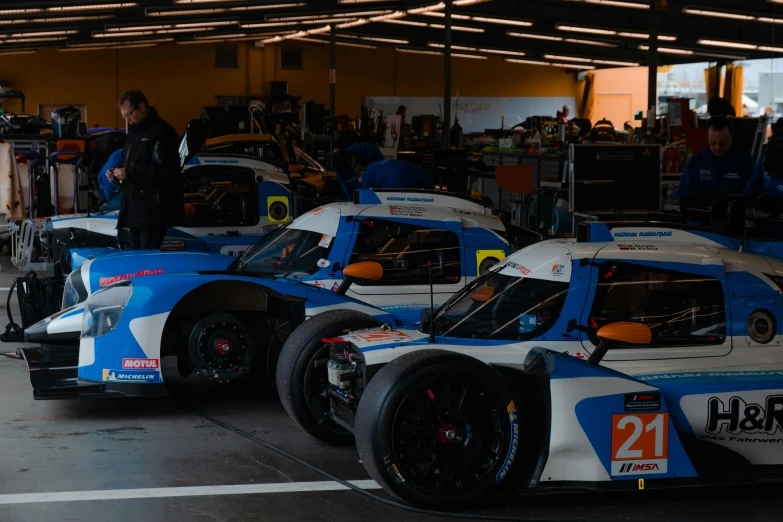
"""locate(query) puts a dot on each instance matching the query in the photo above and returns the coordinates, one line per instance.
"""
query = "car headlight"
(70, 295)
(103, 309)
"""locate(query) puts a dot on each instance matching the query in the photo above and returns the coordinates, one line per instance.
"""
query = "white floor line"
(194, 491)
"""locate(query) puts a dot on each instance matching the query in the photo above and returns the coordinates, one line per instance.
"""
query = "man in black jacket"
(152, 197)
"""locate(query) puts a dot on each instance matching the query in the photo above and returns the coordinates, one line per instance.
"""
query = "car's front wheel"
(438, 430)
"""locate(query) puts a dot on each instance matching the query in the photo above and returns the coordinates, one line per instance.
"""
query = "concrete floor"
(100, 445)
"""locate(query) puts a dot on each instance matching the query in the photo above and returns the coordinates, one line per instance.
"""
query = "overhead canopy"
(576, 34)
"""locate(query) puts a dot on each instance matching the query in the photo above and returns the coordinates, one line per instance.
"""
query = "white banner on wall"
(477, 113)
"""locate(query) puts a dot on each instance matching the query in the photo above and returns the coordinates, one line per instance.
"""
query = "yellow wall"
(181, 79)
(624, 91)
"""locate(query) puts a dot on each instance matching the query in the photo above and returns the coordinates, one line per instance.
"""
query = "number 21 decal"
(640, 444)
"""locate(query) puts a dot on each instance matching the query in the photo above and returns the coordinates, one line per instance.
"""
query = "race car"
(237, 188)
(389, 255)
(649, 360)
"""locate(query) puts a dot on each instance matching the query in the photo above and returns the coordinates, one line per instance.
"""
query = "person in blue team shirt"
(399, 174)
(350, 163)
(109, 187)
(719, 170)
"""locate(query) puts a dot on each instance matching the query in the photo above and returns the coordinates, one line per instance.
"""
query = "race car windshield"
(289, 252)
(502, 307)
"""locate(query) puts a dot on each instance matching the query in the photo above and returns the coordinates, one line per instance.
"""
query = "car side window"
(681, 309)
(405, 252)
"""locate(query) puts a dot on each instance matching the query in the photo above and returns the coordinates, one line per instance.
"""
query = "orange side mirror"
(367, 270)
(626, 332)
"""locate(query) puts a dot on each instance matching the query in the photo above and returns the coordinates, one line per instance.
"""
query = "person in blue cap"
(719, 170)
(350, 163)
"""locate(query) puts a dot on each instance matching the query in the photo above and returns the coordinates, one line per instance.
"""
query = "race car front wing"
(54, 376)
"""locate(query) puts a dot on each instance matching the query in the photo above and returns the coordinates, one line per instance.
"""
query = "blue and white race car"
(650, 360)
(223, 318)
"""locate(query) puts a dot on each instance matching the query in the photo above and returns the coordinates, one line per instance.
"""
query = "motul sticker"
(140, 364)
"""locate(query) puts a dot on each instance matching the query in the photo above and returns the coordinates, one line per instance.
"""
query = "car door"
(683, 299)
(405, 248)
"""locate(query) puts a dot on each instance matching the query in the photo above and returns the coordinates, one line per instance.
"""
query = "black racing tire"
(296, 378)
(409, 415)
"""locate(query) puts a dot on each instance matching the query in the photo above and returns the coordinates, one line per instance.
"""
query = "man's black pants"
(147, 238)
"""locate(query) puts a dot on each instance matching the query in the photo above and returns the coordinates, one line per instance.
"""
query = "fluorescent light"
(416, 51)
(201, 1)
(31, 10)
(355, 23)
(188, 12)
(566, 65)
(270, 24)
(590, 30)
(717, 14)
(721, 43)
(567, 58)
(501, 51)
(469, 2)
(645, 36)
(91, 7)
(529, 62)
(443, 15)
(462, 28)
(122, 35)
(56, 20)
(770, 20)
(572, 65)
(20, 51)
(667, 50)
(374, 39)
(501, 21)
(473, 56)
(115, 44)
(406, 22)
(44, 33)
(103, 47)
(35, 40)
(187, 30)
(138, 28)
(535, 36)
(208, 24)
(360, 1)
(612, 62)
(770, 49)
(390, 16)
(266, 6)
(434, 7)
(616, 3)
(219, 36)
(324, 16)
(590, 42)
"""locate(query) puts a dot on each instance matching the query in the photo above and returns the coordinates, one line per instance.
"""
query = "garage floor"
(159, 460)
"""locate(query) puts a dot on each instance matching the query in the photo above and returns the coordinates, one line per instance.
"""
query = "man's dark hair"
(401, 108)
(721, 122)
(718, 106)
(773, 157)
(135, 98)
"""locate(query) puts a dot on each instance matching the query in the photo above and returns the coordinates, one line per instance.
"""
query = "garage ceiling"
(575, 34)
